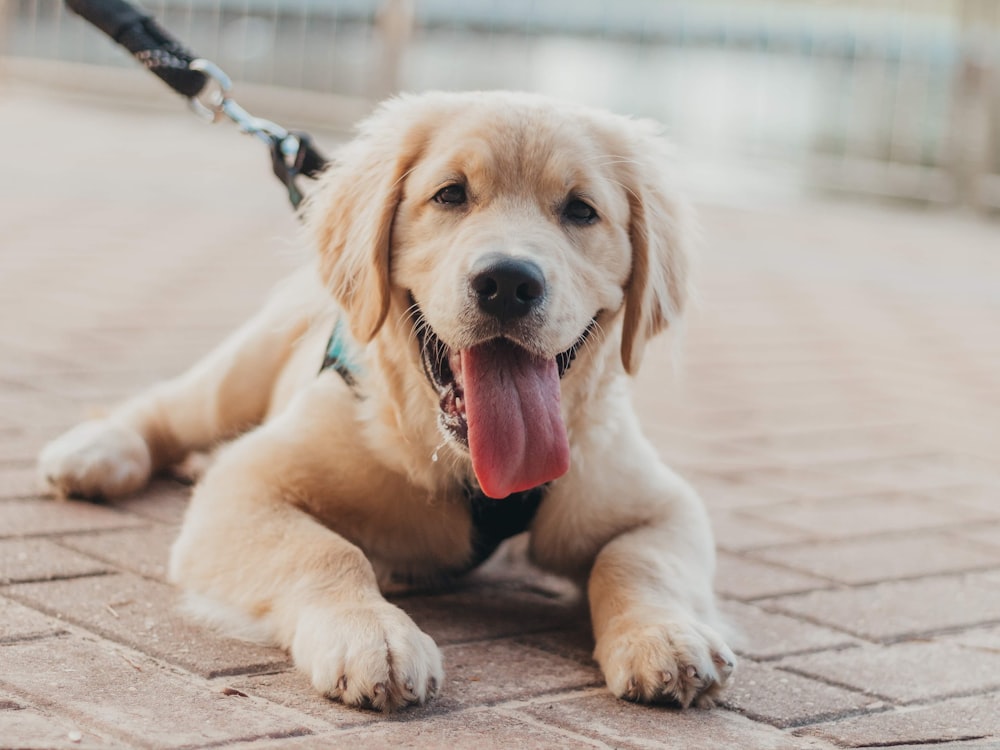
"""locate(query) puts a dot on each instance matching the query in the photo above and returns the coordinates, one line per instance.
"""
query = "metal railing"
(892, 97)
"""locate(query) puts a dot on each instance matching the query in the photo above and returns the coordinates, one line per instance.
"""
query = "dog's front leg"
(229, 391)
(651, 602)
(249, 554)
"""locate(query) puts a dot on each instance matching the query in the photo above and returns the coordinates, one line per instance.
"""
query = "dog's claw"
(631, 689)
(342, 683)
(725, 665)
(691, 671)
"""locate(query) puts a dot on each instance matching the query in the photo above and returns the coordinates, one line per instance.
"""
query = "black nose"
(505, 287)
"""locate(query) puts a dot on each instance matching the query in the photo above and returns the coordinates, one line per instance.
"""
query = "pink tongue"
(516, 434)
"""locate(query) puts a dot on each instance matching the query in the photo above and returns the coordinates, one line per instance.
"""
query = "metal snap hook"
(209, 102)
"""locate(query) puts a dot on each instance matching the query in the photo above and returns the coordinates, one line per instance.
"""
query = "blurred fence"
(893, 97)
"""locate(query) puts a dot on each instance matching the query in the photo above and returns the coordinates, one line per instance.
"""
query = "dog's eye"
(451, 195)
(577, 211)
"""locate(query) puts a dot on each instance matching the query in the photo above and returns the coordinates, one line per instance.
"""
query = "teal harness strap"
(338, 358)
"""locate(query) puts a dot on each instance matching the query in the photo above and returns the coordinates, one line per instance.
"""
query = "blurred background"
(838, 399)
(889, 98)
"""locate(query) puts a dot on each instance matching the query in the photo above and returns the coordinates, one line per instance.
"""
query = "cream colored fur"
(321, 496)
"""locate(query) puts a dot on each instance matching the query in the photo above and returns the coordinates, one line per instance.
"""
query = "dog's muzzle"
(501, 403)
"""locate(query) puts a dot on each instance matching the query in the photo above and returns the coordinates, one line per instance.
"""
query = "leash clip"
(203, 83)
(291, 153)
(213, 102)
(208, 102)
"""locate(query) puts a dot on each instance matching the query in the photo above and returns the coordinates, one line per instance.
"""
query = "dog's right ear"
(351, 214)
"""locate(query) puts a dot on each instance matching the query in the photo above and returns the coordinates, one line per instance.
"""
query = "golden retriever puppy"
(491, 266)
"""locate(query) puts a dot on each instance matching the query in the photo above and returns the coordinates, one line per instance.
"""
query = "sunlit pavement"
(836, 401)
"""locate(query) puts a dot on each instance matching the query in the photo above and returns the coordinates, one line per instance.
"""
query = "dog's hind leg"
(227, 392)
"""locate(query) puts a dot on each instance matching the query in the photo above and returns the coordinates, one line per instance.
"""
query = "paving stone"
(765, 693)
(19, 622)
(29, 729)
(736, 532)
(808, 484)
(18, 480)
(164, 501)
(706, 459)
(986, 744)
(575, 643)
(330, 738)
(984, 497)
(627, 725)
(864, 515)
(984, 639)
(488, 672)
(48, 416)
(898, 609)
(720, 492)
(764, 635)
(30, 517)
(921, 472)
(132, 698)
(984, 534)
(741, 577)
(97, 391)
(476, 674)
(905, 672)
(962, 718)
(468, 730)
(19, 446)
(145, 615)
(42, 560)
(292, 689)
(510, 569)
(486, 613)
(9, 704)
(846, 444)
(145, 551)
(868, 560)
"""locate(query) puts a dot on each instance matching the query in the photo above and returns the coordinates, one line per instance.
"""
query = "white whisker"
(626, 188)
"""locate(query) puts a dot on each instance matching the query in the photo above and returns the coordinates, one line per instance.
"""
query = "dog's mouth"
(502, 403)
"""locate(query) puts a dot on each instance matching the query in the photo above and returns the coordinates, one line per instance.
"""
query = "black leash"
(204, 84)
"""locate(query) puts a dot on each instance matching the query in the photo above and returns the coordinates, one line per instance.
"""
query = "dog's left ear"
(661, 230)
(352, 212)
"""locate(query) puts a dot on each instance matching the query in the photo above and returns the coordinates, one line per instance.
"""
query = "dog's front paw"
(658, 656)
(369, 656)
(96, 459)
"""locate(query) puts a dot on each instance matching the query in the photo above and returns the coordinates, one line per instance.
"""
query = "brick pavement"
(837, 406)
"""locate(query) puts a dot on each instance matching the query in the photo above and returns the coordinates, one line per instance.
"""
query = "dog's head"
(513, 235)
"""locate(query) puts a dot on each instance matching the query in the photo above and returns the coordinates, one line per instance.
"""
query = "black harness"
(493, 520)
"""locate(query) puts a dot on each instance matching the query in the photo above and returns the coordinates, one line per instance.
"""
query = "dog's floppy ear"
(660, 230)
(352, 212)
